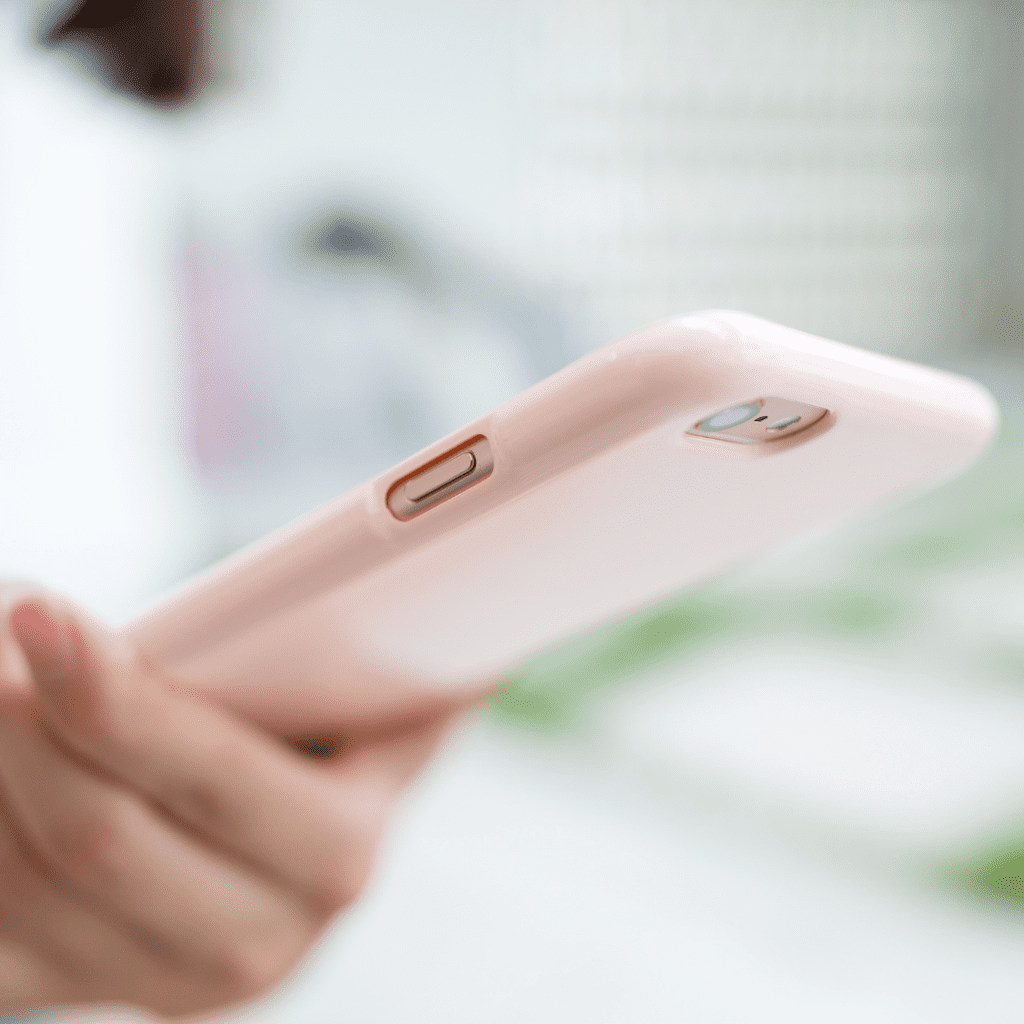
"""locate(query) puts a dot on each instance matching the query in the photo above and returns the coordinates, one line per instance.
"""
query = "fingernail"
(43, 641)
(32, 620)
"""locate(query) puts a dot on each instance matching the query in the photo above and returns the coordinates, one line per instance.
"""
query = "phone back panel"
(599, 504)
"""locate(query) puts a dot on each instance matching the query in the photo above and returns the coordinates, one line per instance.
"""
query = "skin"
(157, 851)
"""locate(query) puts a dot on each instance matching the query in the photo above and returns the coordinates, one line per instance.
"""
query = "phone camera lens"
(730, 417)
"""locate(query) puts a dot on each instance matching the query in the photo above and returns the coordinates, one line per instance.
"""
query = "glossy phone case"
(597, 503)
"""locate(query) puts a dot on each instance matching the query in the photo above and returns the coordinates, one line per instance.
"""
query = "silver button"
(444, 473)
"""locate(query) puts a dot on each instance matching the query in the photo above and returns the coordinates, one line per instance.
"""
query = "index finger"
(247, 794)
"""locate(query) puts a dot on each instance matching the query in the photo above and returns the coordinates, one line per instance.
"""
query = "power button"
(440, 479)
(423, 485)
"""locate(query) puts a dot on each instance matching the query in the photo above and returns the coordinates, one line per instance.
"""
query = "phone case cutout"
(759, 421)
(441, 478)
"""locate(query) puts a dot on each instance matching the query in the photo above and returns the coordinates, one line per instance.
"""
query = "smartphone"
(646, 467)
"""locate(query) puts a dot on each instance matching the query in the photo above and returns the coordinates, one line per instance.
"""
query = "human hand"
(155, 850)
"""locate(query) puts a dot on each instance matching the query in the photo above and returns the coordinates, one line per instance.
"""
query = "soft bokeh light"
(796, 794)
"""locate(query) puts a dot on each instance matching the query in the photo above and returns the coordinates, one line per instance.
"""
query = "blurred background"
(796, 794)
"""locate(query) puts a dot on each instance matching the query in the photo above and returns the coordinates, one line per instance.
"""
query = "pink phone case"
(597, 503)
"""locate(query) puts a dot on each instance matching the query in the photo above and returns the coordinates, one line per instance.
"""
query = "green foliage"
(854, 612)
(977, 519)
(972, 526)
(1000, 876)
(555, 688)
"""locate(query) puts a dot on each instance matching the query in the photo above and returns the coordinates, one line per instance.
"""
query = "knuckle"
(346, 867)
(342, 882)
(336, 889)
(248, 967)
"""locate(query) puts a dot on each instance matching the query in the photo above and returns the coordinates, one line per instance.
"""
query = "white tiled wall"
(840, 166)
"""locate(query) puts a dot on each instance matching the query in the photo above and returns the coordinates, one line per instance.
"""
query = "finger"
(29, 978)
(229, 926)
(28, 981)
(57, 950)
(14, 670)
(244, 792)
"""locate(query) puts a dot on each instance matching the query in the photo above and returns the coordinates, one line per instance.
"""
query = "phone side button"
(470, 463)
(420, 487)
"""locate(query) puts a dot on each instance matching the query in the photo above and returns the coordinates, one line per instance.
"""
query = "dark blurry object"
(347, 237)
(350, 241)
(153, 50)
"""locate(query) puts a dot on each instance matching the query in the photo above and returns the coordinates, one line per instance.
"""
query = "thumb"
(45, 642)
(71, 658)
